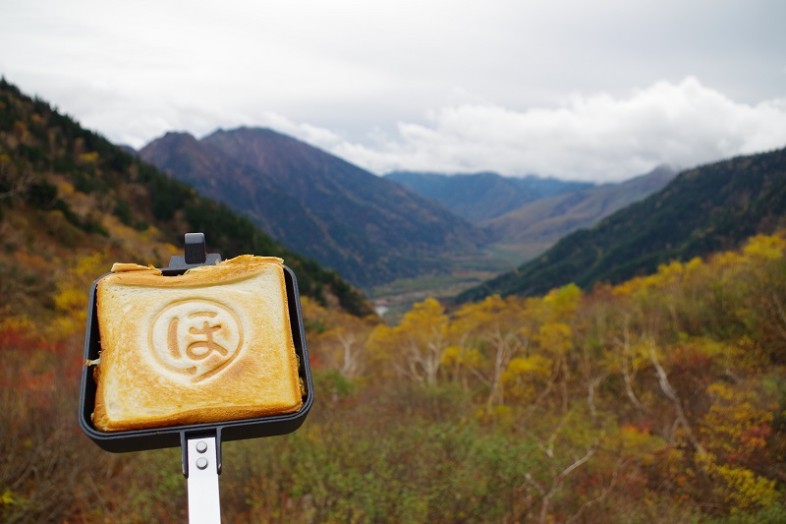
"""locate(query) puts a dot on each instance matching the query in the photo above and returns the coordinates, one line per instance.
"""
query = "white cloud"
(358, 78)
(588, 137)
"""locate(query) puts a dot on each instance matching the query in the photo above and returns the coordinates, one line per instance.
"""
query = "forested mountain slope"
(66, 193)
(706, 209)
(367, 228)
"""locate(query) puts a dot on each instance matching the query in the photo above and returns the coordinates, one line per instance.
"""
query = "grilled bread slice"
(214, 344)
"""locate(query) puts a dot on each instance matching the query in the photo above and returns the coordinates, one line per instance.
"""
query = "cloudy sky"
(587, 90)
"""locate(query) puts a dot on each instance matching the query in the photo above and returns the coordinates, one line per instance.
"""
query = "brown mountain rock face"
(369, 229)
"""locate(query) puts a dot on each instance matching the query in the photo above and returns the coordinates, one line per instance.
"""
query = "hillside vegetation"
(67, 193)
(659, 400)
(709, 208)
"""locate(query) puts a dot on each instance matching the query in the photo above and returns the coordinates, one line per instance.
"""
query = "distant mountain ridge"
(525, 216)
(548, 219)
(369, 229)
(479, 197)
(706, 209)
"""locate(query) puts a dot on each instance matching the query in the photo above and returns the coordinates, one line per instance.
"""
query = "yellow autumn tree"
(414, 349)
(71, 296)
(738, 423)
(336, 339)
(488, 335)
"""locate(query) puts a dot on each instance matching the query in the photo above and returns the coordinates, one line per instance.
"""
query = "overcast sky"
(585, 90)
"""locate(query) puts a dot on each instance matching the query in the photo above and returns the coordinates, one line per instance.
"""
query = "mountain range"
(479, 197)
(374, 230)
(546, 220)
(527, 215)
(65, 190)
(365, 227)
(705, 209)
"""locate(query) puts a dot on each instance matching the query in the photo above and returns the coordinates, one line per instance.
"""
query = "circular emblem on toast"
(195, 338)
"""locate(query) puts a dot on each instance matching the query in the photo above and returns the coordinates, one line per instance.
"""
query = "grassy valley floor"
(462, 271)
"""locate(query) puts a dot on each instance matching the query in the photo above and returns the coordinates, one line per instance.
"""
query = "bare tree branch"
(603, 494)
(625, 366)
(671, 394)
(556, 483)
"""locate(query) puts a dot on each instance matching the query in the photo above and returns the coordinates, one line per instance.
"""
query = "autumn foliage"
(661, 399)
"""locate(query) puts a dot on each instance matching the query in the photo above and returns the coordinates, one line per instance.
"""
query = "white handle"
(204, 505)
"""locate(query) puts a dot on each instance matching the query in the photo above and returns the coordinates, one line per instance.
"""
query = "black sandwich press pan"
(174, 436)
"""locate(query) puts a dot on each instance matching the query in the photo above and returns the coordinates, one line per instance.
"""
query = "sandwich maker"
(200, 443)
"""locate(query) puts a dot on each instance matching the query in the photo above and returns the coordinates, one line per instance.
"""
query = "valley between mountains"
(407, 236)
(400, 237)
